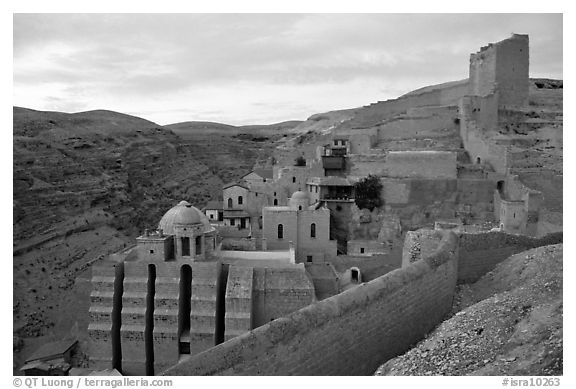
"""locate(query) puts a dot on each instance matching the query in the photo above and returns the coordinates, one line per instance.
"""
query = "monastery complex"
(289, 235)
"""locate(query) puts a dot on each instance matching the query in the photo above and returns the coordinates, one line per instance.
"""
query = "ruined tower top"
(502, 67)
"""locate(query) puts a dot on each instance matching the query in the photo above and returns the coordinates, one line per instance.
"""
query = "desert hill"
(507, 323)
(204, 128)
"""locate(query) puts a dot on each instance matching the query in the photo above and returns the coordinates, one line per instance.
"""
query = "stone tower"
(502, 67)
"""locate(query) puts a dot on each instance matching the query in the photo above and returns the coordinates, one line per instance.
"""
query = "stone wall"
(325, 279)
(366, 247)
(280, 291)
(361, 165)
(348, 334)
(421, 164)
(477, 116)
(234, 193)
(512, 64)
(105, 307)
(436, 95)
(479, 253)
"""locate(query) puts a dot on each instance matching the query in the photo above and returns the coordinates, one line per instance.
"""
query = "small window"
(198, 245)
(264, 180)
(185, 246)
(211, 216)
(240, 200)
(308, 258)
(280, 231)
(361, 250)
(313, 230)
(230, 203)
(275, 201)
(151, 251)
(293, 179)
(299, 207)
(274, 194)
(256, 194)
(232, 222)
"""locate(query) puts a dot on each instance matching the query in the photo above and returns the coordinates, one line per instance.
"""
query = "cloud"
(141, 60)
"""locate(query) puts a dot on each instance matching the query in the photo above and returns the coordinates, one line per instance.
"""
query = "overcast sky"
(253, 68)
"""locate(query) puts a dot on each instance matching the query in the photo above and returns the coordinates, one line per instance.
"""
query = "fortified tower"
(502, 67)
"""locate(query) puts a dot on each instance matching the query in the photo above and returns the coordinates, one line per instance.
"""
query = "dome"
(299, 195)
(299, 200)
(183, 213)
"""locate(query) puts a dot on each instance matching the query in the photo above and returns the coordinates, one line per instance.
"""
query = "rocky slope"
(507, 323)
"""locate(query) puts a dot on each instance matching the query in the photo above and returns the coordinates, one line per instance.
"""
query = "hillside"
(507, 323)
(205, 128)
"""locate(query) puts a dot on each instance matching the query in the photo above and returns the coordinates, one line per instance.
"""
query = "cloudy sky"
(253, 68)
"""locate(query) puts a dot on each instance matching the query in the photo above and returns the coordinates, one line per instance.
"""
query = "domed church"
(184, 233)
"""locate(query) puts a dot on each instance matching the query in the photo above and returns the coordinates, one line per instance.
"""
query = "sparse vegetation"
(368, 192)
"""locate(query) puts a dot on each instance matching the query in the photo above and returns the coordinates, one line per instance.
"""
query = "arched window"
(229, 203)
(299, 207)
(313, 230)
(478, 160)
(240, 199)
(280, 231)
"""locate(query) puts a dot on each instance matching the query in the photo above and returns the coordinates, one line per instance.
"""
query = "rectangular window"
(198, 245)
(361, 250)
(151, 251)
(308, 258)
(185, 246)
(232, 222)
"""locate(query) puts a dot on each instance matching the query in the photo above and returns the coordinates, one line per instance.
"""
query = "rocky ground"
(507, 323)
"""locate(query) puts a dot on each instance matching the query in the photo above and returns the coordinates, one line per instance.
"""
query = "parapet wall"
(479, 253)
(348, 334)
(436, 95)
